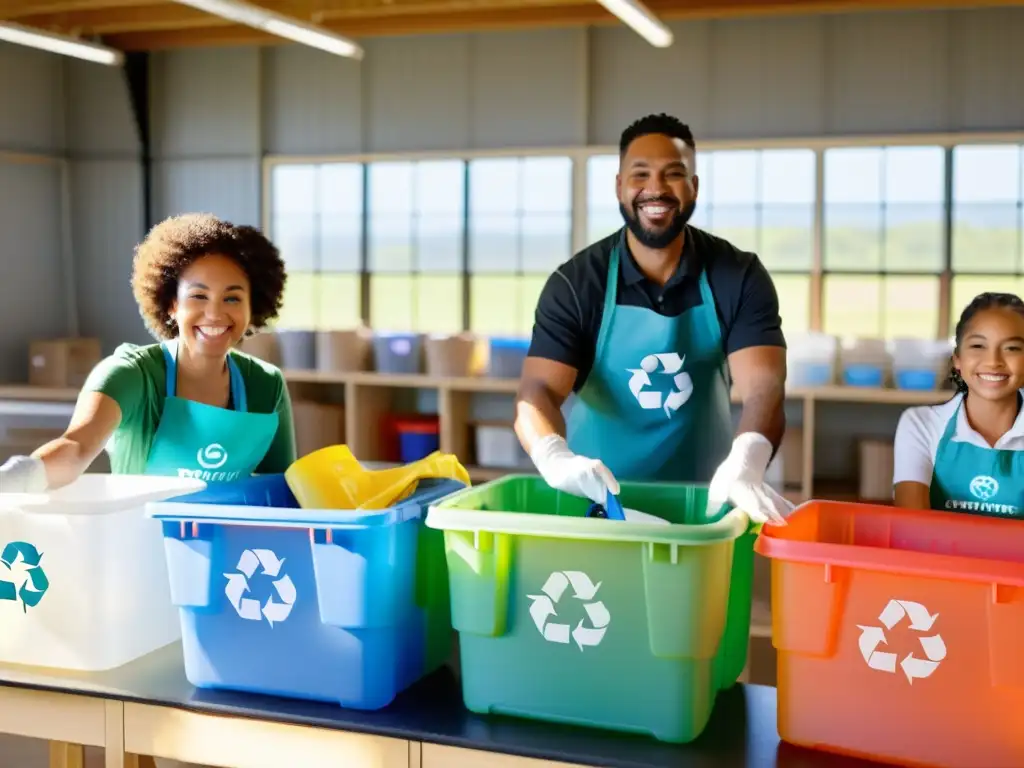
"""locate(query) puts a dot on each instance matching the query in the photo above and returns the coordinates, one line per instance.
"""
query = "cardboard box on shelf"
(876, 468)
(62, 362)
(317, 425)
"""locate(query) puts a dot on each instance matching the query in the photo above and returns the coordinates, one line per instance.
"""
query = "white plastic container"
(810, 360)
(920, 364)
(498, 448)
(83, 578)
(865, 362)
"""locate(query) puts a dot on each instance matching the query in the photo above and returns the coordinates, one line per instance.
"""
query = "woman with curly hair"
(192, 405)
(967, 455)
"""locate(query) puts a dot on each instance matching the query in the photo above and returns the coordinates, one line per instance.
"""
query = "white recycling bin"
(83, 578)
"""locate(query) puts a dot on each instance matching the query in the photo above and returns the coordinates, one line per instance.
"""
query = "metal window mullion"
(467, 294)
(364, 256)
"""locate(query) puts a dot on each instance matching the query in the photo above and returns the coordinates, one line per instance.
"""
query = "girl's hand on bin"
(740, 480)
(23, 474)
(565, 471)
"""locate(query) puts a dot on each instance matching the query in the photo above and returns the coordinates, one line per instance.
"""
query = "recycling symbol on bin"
(238, 585)
(671, 365)
(544, 613)
(29, 581)
(933, 646)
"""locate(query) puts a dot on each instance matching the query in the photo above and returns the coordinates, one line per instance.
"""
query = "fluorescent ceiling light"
(62, 44)
(282, 26)
(635, 14)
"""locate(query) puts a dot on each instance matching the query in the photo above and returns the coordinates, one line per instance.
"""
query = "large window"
(415, 236)
(884, 240)
(520, 230)
(317, 223)
(448, 244)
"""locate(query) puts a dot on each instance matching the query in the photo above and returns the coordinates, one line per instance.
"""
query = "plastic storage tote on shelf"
(506, 357)
(331, 605)
(899, 633)
(603, 623)
(811, 359)
(343, 351)
(920, 363)
(398, 352)
(865, 362)
(417, 438)
(297, 349)
(83, 580)
(453, 356)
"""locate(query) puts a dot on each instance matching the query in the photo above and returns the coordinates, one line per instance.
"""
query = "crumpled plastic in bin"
(332, 478)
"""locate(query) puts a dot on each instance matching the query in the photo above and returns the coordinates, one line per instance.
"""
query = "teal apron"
(969, 478)
(206, 442)
(656, 404)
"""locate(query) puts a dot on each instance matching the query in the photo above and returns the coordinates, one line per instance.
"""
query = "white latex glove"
(23, 474)
(740, 480)
(565, 471)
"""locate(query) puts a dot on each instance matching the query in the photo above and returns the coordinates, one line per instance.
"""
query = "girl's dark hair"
(981, 302)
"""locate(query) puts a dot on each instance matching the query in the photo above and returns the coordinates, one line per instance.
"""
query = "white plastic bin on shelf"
(920, 363)
(83, 578)
(497, 447)
(811, 359)
(865, 362)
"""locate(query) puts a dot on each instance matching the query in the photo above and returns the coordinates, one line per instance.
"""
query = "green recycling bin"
(610, 624)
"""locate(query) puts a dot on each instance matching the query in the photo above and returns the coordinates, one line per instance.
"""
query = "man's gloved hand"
(23, 474)
(565, 471)
(740, 480)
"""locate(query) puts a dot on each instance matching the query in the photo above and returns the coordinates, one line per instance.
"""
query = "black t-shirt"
(571, 306)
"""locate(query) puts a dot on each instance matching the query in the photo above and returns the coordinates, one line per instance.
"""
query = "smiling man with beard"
(646, 327)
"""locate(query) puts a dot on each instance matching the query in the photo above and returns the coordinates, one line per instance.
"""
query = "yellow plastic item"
(332, 478)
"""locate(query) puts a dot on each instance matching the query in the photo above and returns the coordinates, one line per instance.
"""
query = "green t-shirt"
(136, 378)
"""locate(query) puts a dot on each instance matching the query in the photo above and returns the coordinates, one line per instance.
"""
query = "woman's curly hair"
(175, 243)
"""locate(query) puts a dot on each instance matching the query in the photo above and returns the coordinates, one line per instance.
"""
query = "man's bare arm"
(759, 379)
(543, 389)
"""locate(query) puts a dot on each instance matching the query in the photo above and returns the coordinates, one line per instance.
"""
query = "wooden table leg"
(64, 755)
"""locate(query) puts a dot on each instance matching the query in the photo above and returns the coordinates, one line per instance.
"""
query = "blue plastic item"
(813, 375)
(255, 491)
(507, 356)
(343, 606)
(863, 375)
(416, 440)
(918, 379)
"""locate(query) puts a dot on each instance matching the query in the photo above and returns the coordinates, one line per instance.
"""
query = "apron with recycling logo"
(969, 478)
(656, 404)
(206, 442)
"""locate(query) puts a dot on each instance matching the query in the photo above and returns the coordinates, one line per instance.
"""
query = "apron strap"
(611, 294)
(237, 383)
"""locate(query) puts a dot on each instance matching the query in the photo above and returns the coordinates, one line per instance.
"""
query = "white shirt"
(920, 430)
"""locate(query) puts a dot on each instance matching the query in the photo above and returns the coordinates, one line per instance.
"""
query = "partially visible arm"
(95, 418)
(913, 459)
(756, 349)
(557, 351)
(281, 453)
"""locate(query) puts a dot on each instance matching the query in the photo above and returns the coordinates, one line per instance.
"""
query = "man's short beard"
(657, 238)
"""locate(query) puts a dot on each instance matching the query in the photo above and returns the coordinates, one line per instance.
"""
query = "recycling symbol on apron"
(671, 364)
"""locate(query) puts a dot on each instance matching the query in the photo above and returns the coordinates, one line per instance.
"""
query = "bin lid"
(427, 491)
(98, 494)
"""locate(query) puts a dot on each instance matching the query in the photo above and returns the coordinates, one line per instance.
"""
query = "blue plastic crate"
(507, 356)
(916, 378)
(863, 375)
(330, 605)
(811, 375)
(413, 446)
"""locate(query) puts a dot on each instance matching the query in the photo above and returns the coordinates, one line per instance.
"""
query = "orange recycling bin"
(900, 634)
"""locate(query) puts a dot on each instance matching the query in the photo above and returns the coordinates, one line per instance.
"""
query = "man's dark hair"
(660, 123)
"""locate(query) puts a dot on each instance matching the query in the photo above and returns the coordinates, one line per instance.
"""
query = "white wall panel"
(31, 100)
(312, 102)
(989, 65)
(630, 78)
(417, 95)
(528, 89)
(107, 221)
(100, 117)
(32, 297)
(226, 188)
(205, 102)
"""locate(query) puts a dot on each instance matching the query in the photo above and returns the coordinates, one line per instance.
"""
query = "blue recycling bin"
(345, 606)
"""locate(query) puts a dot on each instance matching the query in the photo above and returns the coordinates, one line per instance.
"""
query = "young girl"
(967, 454)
